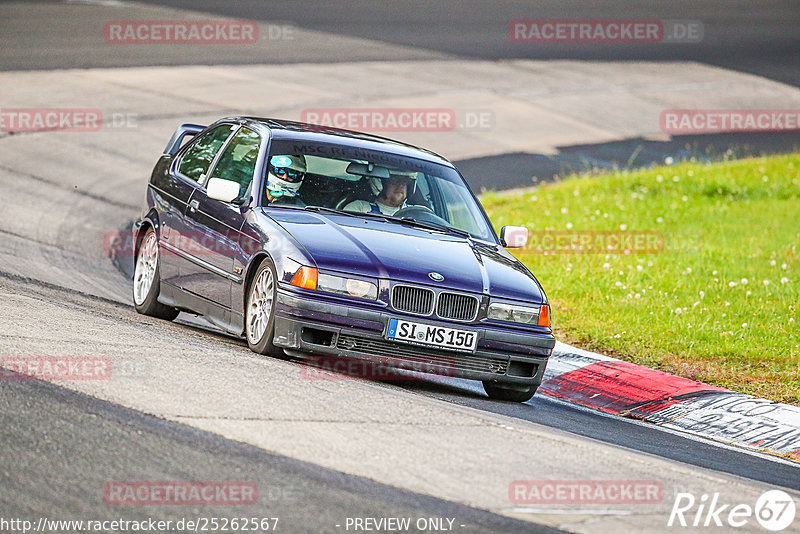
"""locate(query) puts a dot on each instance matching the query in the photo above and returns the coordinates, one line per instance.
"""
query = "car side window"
(238, 162)
(198, 157)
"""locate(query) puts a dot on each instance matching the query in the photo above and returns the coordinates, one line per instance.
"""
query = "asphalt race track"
(187, 403)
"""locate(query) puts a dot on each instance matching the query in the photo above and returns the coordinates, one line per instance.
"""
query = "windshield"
(370, 183)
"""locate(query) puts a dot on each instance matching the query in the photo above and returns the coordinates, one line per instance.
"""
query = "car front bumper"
(315, 327)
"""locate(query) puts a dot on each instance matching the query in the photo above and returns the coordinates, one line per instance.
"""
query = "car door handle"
(193, 205)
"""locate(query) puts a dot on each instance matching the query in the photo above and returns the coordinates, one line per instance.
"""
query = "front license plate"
(434, 336)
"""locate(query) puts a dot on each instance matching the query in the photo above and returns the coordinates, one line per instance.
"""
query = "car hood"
(377, 248)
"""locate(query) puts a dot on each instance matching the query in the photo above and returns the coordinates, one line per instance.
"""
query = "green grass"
(718, 303)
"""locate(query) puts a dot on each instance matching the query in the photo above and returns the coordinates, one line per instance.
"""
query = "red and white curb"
(629, 390)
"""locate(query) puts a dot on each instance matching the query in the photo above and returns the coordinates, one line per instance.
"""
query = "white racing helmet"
(285, 175)
(376, 184)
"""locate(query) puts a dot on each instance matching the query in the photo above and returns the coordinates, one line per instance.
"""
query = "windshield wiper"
(408, 221)
(283, 206)
(348, 213)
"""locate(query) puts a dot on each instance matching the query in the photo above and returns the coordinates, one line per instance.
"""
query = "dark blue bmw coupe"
(318, 242)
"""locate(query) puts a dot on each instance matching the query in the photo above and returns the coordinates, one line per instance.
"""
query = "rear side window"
(238, 162)
(196, 160)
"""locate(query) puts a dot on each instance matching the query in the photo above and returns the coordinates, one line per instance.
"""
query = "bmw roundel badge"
(436, 277)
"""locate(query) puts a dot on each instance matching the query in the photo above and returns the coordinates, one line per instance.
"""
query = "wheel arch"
(250, 273)
(145, 223)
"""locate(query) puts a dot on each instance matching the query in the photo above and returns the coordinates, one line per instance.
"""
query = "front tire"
(147, 280)
(509, 393)
(262, 296)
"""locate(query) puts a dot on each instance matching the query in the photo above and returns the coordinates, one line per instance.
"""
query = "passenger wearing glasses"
(284, 178)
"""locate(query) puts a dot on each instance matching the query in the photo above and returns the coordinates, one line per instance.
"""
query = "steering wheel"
(412, 209)
(418, 211)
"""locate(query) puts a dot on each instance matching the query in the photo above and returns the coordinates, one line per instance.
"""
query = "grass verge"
(716, 303)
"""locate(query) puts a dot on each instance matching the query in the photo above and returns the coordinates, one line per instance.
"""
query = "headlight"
(350, 287)
(519, 314)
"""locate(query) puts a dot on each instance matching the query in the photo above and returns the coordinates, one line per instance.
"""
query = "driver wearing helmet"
(390, 193)
(284, 178)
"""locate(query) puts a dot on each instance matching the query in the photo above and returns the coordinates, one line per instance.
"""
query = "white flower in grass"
(534, 198)
(784, 280)
(772, 262)
(744, 281)
(606, 265)
(714, 273)
(659, 178)
(696, 303)
(784, 266)
(639, 268)
(569, 226)
(659, 219)
(676, 179)
(618, 283)
(684, 198)
(564, 210)
(732, 284)
(702, 294)
(623, 227)
(637, 295)
(678, 311)
(791, 319)
(766, 282)
(744, 325)
(748, 293)
(727, 303)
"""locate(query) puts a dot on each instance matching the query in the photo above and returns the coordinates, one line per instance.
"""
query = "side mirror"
(224, 190)
(514, 236)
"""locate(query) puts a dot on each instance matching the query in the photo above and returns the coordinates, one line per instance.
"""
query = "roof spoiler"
(177, 138)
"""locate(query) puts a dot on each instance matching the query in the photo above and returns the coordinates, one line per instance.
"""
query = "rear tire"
(147, 280)
(508, 392)
(262, 296)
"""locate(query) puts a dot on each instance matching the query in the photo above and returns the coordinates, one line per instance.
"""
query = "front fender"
(269, 240)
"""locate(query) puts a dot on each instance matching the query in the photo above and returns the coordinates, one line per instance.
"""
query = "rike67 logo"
(774, 510)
